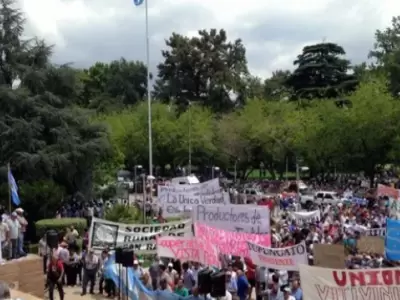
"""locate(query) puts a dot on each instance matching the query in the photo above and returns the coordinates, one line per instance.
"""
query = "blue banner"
(392, 241)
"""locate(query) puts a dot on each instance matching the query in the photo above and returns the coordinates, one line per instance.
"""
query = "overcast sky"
(273, 31)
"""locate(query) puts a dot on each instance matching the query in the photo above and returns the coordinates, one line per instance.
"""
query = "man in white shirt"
(3, 237)
(90, 267)
(14, 229)
(23, 224)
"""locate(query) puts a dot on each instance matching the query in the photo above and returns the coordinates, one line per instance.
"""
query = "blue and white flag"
(130, 285)
(392, 241)
(13, 189)
(138, 2)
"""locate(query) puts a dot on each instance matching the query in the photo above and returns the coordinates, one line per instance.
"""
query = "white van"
(191, 179)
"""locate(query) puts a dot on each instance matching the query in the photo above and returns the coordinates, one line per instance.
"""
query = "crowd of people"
(340, 223)
(12, 232)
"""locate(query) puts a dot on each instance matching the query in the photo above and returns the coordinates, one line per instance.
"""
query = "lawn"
(255, 174)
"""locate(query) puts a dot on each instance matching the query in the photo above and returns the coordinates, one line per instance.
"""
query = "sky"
(273, 31)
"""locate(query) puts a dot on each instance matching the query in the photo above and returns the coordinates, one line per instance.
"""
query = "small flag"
(138, 2)
(13, 188)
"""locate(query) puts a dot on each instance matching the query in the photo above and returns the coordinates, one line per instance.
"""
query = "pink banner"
(188, 249)
(228, 242)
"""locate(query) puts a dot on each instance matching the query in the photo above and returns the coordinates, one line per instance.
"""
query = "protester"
(90, 267)
(55, 274)
(180, 288)
(4, 238)
(44, 252)
(23, 224)
(14, 227)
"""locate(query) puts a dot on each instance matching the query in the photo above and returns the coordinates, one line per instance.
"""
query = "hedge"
(60, 225)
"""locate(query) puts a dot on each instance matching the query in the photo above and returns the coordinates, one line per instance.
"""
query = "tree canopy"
(65, 129)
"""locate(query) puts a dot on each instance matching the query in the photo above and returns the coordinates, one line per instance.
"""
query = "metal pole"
(135, 183)
(148, 90)
(144, 199)
(212, 172)
(297, 170)
(235, 171)
(190, 140)
(9, 188)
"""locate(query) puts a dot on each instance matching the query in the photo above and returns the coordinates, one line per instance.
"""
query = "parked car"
(327, 197)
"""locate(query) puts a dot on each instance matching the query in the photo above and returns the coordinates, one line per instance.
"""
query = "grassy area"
(255, 174)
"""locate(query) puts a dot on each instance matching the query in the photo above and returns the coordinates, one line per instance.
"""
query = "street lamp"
(214, 168)
(137, 167)
(150, 179)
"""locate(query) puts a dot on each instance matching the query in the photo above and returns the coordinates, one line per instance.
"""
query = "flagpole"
(9, 189)
(148, 90)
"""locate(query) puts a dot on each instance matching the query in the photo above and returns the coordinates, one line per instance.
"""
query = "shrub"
(59, 225)
(123, 214)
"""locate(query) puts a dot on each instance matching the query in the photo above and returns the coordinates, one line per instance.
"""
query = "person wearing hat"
(23, 224)
(14, 228)
(287, 294)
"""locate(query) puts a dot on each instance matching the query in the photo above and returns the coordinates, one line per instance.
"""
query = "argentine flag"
(138, 2)
(13, 188)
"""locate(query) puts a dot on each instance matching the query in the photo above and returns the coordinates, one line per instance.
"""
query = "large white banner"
(287, 258)
(207, 187)
(232, 217)
(140, 237)
(178, 200)
(307, 216)
(337, 284)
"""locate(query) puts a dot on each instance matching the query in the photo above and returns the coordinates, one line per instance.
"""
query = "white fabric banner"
(307, 216)
(140, 237)
(179, 200)
(287, 258)
(188, 249)
(207, 187)
(233, 217)
(337, 284)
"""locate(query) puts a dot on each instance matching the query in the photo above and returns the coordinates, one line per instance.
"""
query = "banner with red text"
(287, 258)
(229, 242)
(343, 284)
(187, 249)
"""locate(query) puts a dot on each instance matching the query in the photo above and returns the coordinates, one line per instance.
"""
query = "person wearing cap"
(171, 271)
(14, 228)
(23, 224)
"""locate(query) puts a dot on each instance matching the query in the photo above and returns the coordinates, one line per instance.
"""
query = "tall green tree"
(114, 85)
(321, 72)
(207, 69)
(386, 53)
(42, 135)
